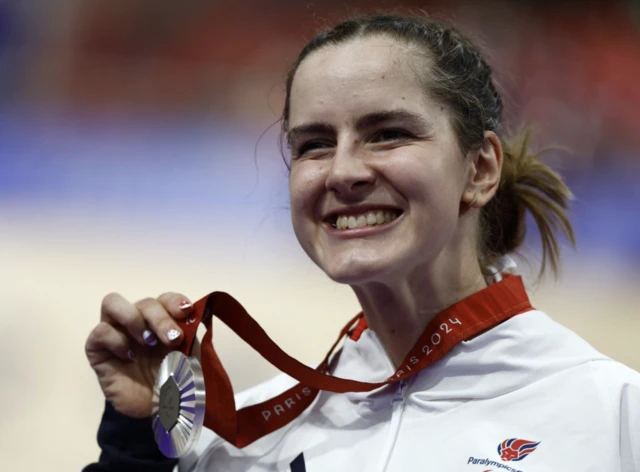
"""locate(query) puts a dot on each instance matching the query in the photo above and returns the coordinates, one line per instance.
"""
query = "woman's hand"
(125, 349)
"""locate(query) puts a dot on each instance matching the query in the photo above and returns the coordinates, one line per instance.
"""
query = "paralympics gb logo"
(515, 449)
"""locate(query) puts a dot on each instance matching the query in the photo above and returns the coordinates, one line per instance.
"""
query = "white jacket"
(528, 380)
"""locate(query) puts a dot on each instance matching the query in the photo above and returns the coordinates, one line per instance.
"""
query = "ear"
(484, 168)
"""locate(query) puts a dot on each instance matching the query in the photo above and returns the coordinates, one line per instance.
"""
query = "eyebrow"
(400, 114)
(363, 122)
(319, 127)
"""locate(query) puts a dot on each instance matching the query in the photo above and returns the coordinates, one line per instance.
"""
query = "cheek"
(434, 182)
(305, 187)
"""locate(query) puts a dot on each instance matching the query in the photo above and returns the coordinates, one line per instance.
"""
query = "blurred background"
(139, 154)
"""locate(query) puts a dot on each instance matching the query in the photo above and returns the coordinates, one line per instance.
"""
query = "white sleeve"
(188, 463)
(630, 428)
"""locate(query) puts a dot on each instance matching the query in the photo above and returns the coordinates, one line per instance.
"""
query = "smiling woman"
(402, 187)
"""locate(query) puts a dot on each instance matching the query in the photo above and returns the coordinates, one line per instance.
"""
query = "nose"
(349, 175)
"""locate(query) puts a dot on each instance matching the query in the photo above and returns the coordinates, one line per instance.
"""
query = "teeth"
(371, 218)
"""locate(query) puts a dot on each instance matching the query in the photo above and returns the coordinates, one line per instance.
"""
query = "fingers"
(160, 315)
(116, 309)
(176, 304)
(149, 320)
(106, 341)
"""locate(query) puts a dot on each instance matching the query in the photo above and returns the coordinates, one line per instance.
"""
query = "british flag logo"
(515, 449)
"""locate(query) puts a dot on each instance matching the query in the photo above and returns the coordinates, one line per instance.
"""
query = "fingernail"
(149, 337)
(185, 305)
(173, 334)
(130, 354)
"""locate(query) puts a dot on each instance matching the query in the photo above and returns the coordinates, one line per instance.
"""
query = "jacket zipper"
(397, 409)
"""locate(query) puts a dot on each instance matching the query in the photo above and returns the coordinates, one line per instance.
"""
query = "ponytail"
(526, 184)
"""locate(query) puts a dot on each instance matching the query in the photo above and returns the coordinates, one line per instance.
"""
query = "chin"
(356, 272)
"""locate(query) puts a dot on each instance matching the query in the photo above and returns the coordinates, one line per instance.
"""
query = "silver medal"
(178, 404)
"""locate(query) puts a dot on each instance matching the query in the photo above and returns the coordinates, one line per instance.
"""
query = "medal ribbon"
(460, 322)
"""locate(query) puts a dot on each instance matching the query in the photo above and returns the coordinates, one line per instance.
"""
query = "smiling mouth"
(369, 218)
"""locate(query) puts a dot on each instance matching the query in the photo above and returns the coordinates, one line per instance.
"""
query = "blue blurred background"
(138, 153)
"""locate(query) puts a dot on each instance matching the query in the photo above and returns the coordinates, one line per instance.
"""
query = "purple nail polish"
(149, 337)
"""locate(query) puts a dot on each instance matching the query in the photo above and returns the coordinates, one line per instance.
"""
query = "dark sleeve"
(128, 445)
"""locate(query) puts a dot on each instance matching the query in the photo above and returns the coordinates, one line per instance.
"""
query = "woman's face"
(376, 175)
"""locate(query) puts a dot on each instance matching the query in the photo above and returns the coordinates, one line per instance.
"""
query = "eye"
(391, 135)
(309, 146)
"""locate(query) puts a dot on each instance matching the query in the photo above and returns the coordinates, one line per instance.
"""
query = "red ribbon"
(461, 321)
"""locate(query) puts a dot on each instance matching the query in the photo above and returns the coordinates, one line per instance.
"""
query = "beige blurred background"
(132, 160)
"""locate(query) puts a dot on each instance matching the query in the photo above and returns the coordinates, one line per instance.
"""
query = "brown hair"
(460, 78)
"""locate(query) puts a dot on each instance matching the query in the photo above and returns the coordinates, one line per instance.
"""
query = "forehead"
(358, 76)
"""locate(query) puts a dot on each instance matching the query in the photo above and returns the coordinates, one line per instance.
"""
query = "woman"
(401, 187)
